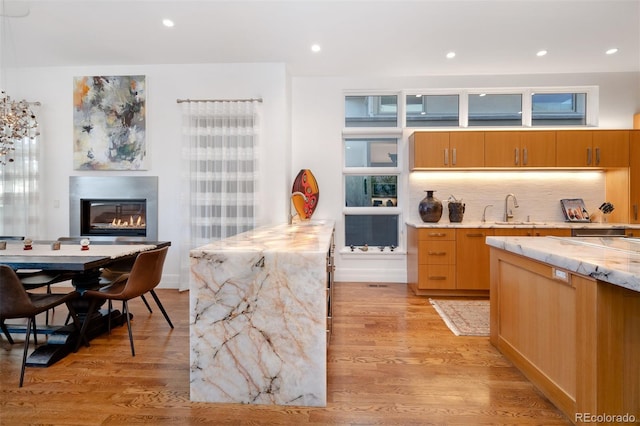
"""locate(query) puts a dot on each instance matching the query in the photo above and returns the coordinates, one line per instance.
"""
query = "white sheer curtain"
(20, 191)
(220, 146)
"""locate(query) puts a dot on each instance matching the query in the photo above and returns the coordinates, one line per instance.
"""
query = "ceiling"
(358, 37)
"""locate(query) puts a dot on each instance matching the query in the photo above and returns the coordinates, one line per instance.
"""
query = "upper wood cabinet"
(592, 148)
(634, 176)
(446, 149)
(520, 149)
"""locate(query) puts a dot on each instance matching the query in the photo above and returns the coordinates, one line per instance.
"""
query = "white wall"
(318, 121)
(165, 83)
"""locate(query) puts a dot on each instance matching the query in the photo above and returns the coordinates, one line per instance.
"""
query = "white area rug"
(464, 317)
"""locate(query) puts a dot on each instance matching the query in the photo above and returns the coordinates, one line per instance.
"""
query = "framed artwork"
(109, 123)
(574, 210)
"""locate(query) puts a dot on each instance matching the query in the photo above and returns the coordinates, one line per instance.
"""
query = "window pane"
(371, 152)
(432, 110)
(559, 109)
(371, 111)
(495, 110)
(371, 191)
(373, 230)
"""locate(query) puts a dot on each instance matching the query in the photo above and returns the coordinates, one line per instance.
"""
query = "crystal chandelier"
(17, 122)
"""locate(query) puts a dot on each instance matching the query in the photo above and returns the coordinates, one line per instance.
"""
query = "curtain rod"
(219, 100)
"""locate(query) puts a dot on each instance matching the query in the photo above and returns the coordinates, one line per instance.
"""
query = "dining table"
(83, 264)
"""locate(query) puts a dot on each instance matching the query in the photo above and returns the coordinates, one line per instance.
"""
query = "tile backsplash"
(538, 192)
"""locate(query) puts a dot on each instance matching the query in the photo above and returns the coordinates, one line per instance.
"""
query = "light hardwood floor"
(392, 361)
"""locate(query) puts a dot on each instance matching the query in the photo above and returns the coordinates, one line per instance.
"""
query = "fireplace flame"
(132, 223)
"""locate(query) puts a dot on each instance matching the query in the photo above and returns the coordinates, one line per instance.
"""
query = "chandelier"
(17, 122)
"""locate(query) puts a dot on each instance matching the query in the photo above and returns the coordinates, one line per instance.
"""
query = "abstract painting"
(109, 124)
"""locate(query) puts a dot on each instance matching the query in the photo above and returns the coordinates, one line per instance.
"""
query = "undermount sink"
(518, 222)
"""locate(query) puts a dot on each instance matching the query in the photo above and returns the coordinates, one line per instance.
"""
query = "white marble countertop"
(615, 260)
(521, 224)
(306, 236)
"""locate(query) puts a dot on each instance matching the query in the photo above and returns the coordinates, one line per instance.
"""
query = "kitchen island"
(566, 312)
(259, 316)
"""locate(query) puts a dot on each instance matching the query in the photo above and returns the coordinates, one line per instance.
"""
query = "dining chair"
(144, 277)
(118, 268)
(16, 302)
(32, 279)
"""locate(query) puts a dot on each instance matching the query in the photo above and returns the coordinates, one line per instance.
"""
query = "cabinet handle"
(437, 234)
(454, 158)
(517, 156)
(635, 212)
(597, 156)
(588, 156)
(437, 278)
(446, 156)
(475, 235)
(525, 157)
(437, 253)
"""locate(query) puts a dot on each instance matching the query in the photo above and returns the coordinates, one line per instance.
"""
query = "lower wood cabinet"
(472, 258)
(634, 176)
(455, 261)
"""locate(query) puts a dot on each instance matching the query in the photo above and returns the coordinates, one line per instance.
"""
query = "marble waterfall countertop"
(258, 316)
(615, 260)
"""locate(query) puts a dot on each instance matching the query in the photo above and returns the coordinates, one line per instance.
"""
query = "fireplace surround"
(108, 207)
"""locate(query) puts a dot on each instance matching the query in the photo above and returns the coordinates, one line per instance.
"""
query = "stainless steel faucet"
(293, 194)
(484, 212)
(508, 214)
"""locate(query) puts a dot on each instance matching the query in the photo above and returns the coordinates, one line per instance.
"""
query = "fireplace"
(112, 207)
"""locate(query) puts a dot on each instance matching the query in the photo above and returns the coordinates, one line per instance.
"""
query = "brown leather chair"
(144, 277)
(16, 302)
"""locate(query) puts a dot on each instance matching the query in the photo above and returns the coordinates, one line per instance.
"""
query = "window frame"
(591, 116)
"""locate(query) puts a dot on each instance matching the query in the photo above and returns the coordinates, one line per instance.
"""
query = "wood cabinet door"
(466, 149)
(574, 148)
(502, 149)
(634, 176)
(472, 259)
(538, 148)
(430, 150)
(611, 148)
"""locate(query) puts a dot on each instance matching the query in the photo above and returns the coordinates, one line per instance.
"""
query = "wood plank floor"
(392, 361)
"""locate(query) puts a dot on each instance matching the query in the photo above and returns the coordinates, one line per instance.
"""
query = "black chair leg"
(155, 297)
(5, 330)
(35, 331)
(146, 303)
(125, 308)
(26, 348)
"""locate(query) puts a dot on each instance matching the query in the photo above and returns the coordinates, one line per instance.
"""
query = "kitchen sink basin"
(519, 222)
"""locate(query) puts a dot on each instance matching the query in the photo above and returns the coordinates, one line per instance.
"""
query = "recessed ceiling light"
(167, 23)
(315, 48)
(451, 55)
(612, 51)
(541, 53)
